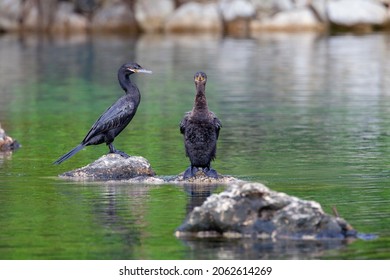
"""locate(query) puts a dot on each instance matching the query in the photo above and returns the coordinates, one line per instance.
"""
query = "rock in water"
(253, 210)
(7, 144)
(112, 167)
(200, 178)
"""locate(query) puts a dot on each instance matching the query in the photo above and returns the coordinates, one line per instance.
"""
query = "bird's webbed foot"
(208, 171)
(123, 154)
(190, 172)
(115, 151)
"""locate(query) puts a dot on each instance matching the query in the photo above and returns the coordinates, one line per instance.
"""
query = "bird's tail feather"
(69, 154)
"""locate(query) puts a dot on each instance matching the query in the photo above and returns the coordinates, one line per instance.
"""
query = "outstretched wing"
(115, 117)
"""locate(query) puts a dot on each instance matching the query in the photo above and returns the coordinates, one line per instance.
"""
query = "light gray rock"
(112, 167)
(54, 16)
(114, 16)
(67, 20)
(319, 8)
(253, 210)
(354, 12)
(284, 5)
(9, 15)
(151, 15)
(295, 19)
(233, 9)
(264, 8)
(193, 16)
(263, 4)
(38, 15)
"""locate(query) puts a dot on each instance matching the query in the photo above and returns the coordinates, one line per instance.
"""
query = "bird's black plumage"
(116, 117)
(200, 128)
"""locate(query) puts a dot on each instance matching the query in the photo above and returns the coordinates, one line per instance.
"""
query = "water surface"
(304, 114)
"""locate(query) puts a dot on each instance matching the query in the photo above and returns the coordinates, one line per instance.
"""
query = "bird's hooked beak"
(140, 70)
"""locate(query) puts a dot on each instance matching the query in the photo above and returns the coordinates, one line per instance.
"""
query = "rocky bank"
(237, 17)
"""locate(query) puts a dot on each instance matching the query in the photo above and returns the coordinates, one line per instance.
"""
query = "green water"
(304, 114)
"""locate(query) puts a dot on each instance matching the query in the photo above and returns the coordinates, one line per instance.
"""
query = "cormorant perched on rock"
(116, 117)
(200, 128)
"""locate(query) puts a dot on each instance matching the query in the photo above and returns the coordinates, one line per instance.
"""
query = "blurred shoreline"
(241, 18)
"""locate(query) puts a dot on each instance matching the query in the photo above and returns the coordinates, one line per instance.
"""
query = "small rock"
(113, 167)
(253, 210)
(7, 144)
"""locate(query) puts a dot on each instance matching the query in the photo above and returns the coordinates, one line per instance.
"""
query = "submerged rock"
(113, 167)
(253, 210)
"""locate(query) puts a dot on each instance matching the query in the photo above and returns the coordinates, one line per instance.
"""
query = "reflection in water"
(108, 214)
(119, 211)
(197, 194)
(247, 248)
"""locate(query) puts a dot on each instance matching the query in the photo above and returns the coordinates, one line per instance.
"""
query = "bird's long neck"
(200, 98)
(129, 87)
(125, 81)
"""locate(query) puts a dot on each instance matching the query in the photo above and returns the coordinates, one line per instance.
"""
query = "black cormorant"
(200, 128)
(116, 117)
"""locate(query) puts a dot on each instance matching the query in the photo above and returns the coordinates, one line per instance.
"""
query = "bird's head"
(200, 78)
(130, 68)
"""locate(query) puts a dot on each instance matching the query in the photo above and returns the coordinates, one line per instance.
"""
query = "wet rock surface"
(200, 178)
(135, 169)
(113, 167)
(253, 210)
